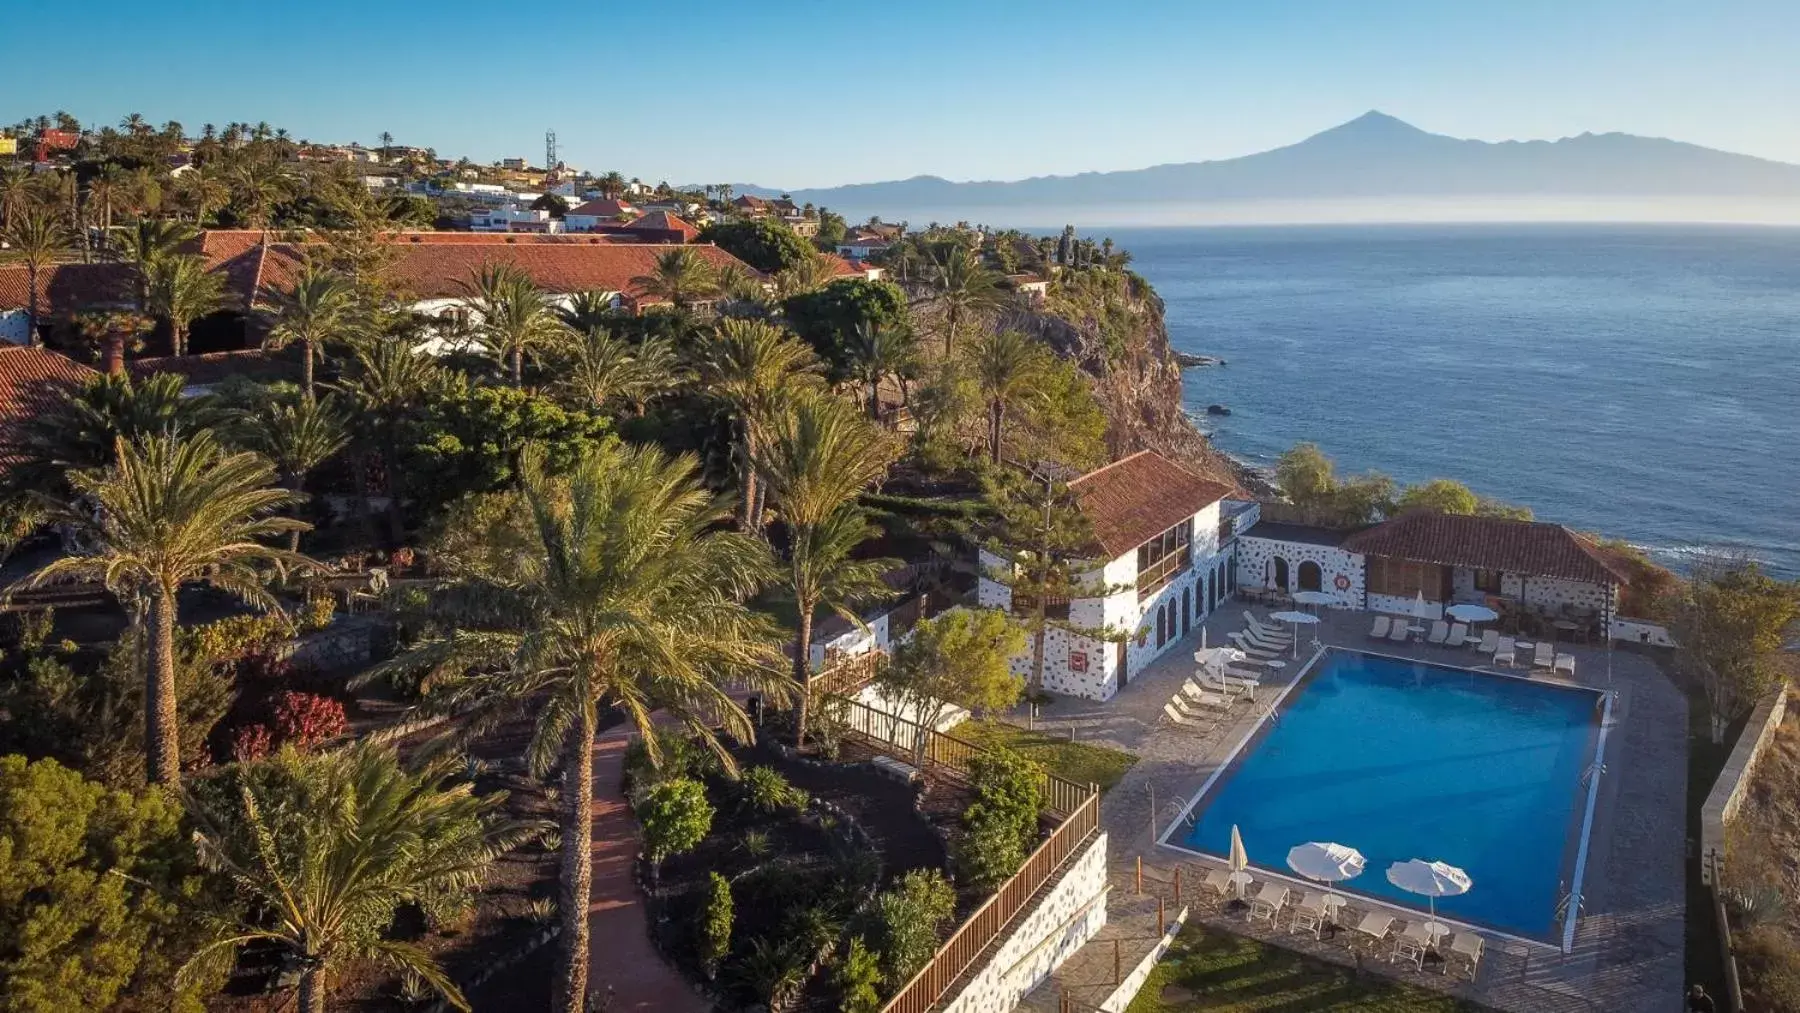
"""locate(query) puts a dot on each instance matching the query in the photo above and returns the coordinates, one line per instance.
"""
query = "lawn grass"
(1081, 762)
(1220, 972)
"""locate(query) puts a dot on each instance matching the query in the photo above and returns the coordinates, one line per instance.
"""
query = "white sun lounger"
(1268, 902)
(1490, 641)
(1380, 630)
(1440, 632)
(1505, 653)
(1204, 681)
(1219, 880)
(1469, 945)
(1249, 647)
(1459, 635)
(1411, 944)
(1544, 656)
(1565, 665)
(1190, 702)
(1248, 675)
(1375, 925)
(1399, 634)
(1266, 631)
(1267, 643)
(1310, 914)
(1182, 719)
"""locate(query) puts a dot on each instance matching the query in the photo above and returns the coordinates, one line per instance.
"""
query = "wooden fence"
(914, 743)
(989, 921)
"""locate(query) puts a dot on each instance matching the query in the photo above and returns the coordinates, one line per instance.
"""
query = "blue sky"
(816, 92)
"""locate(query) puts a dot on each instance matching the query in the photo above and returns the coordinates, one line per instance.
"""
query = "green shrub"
(858, 979)
(715, 923)
(676, 817)
(766, 791)
(1002, 822)
(910, 915)
(682, 756)
(773, 970)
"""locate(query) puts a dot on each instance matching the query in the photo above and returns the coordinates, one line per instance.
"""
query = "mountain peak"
(1372, 124)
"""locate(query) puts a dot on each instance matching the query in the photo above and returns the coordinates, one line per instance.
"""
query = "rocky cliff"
(1111, 324)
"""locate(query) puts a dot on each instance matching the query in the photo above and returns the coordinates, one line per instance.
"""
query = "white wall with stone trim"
(1642, 631)
(15, 327)
(1062, 922)
(1256, 567)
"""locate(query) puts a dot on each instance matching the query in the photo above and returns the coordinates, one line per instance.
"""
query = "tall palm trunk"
(875, 399)
(577, 864)
(996, 418)
(748, 515)
(162, 722)
(518, 367)
(390, 473)
(31, 311)
(306, 370)
(950, 331)
(115, 353)
(178, 334)
(803, 670)
(312, 990)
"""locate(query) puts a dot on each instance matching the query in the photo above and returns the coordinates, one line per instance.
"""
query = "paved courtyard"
(1628, 948)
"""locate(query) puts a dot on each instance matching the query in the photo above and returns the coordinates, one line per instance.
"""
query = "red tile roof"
(215, 367)
(665, 222)
(602, 208)
(32, 380)
(1133, 500)
(65, 288)
(1535, 548)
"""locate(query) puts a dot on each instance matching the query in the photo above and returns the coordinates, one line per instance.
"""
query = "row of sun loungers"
(1504, 649)
(1208, 694)
(1313, 912)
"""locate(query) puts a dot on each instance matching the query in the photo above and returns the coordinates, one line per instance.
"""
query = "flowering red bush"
(307, 719)
(252, 742)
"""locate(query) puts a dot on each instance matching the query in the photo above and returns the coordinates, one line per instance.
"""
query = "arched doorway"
(1187, 612)
(1212, 591)
(1310, 576)
(1279, 579)
(1228, 577)
(1162, 623)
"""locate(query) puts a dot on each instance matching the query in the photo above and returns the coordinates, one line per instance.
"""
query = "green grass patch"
(1217, 971)
(1081, 762)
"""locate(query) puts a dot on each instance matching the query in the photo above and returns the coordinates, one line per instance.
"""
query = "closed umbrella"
(1238, 862)
(1326, 863)
(1430, 880)
(1296, 618)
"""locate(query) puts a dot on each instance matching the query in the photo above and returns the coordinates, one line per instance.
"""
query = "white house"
(514, 219)
(863, 249)
(595, 213)
(1439, 559)
(1167, 537)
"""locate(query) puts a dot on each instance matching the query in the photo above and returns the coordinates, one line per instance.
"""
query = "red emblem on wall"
(1077, 661)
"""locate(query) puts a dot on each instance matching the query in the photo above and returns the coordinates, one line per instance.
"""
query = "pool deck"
(1628, 947)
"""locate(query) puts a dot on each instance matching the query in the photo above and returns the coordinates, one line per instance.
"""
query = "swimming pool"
(1400, 760)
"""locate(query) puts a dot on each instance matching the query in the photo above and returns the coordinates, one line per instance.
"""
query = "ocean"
(1638, 381)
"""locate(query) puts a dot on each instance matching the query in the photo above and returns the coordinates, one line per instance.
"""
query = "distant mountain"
(1372, 156)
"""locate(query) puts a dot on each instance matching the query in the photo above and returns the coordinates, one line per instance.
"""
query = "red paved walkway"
(620, 955)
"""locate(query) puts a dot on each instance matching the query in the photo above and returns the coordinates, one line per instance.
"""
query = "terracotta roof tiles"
(1536, 548)
(1133, 500)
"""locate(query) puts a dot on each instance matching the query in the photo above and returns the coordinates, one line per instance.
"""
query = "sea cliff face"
(1111, 325)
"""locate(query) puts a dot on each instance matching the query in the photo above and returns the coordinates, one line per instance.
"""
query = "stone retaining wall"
(1728, 791)
(1059, 924)
(1120, 998)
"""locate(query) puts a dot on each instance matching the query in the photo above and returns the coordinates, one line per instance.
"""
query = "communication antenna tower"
(549, 151)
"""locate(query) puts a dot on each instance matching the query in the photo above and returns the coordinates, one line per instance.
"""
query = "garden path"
(620, 955)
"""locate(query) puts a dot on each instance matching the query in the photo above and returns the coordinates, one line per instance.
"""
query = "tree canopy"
(828, 318)
(763, 243)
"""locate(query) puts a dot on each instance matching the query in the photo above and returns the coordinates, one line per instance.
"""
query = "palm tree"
(388, 379)
(255, 190)
(808, 274)
(817, 455)
(611, 185)
(681, 276)
(201, 190)
(105, 189)
(172, 510)
(145, 243)
(1008, 368)
(607, 368)
(80, 431)
(515, 315)
(328, 848)
(112, 330)
(963, 287)
(182, 291)
(296, 438)
(38, 235)
(623, 595)
(586, 311)
(878, 351)
(750, 366)
(16, 191)
(316, 310)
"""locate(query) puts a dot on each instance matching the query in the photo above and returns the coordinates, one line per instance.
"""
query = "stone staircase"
(1094, 973)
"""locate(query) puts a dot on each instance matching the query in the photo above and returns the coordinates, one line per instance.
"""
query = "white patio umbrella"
(1430, 880)
(1419, 610)
(1326, 863)
(1471, 613)
(1238, 862)
(1296, 618)
(1315, 598)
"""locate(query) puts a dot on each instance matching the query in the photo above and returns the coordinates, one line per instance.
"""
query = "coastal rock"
(1188, 360)
(1124, 346)
(1217, 409)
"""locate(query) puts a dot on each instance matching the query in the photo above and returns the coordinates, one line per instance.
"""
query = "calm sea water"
(1493, 786)
(1641, 381)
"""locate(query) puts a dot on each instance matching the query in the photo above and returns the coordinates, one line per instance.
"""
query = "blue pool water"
(1403, 760)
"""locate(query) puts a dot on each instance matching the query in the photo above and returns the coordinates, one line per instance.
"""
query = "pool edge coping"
(1582, 847)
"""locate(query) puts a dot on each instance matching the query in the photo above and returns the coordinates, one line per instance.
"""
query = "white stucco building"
(1164, 544)
(1440, 560)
